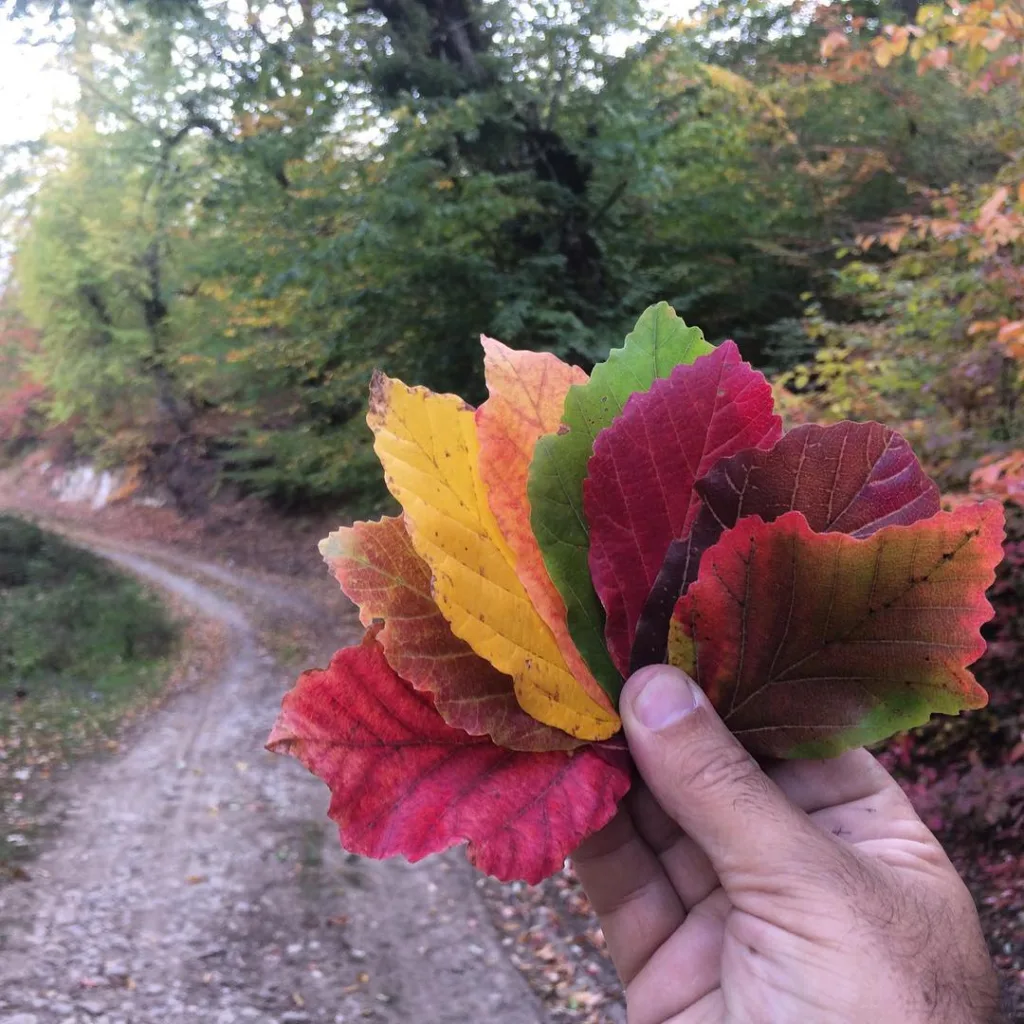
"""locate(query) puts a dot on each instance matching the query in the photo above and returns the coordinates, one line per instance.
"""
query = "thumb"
(705, 780)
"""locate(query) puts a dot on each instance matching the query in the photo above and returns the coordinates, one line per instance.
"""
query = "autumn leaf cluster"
(571, 530)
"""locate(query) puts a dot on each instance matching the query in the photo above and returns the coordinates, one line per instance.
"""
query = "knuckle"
(726, 772)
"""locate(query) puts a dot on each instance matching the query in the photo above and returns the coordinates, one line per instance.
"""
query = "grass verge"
(82, 647)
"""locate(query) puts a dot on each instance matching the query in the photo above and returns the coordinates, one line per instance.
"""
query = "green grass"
(81, 647)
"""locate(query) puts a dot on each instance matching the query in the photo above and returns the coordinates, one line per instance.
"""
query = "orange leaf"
(527, 395)
(941, 228)
(991, 207)
(1002, 478)
(938, 59)
(1011, 333)
(980, 326)
(833, 42)
(993, 40)
(893, 239)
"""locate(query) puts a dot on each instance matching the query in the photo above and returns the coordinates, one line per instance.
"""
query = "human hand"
(810, 893)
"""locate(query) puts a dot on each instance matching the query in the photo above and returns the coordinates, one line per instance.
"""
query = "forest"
(251, 204)
(254, 203)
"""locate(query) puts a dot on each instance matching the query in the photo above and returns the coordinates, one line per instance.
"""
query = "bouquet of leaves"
(570, 531)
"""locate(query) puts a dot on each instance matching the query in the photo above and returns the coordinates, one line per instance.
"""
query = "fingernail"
(667, 697)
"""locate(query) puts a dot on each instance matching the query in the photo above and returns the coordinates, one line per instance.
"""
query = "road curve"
(195, 877)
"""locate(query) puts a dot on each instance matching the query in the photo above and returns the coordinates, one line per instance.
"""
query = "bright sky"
(30, 84)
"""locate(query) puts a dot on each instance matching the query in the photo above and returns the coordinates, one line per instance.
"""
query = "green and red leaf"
(853, 478)
(639, 492)
(405, 782)
(659, 342)
(811, 643)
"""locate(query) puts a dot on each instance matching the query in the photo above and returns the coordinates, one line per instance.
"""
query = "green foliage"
(69, 623)
(913, 361)
(83, 285)
(247, 215)
(81, 648)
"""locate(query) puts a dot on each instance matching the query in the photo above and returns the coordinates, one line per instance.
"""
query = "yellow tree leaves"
(428, 446)
(527, 393)
(892, 43)
(979, 37)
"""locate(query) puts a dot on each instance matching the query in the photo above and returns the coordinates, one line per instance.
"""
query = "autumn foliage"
(573, 529)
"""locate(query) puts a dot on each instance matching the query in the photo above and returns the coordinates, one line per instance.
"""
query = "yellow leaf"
(682, 650)
(899, 40)
(428, 446)
(726, 79)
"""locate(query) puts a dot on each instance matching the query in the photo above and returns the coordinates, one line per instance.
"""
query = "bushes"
(67, 621)
(21, 420)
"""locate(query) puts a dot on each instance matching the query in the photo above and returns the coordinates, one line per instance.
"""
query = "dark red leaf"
(638, 496)
(852, 478)
(403, 781)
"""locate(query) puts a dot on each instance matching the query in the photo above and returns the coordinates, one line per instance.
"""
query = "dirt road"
(196, 877)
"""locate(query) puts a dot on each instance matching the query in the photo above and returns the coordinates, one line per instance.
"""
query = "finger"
(686, 968)
(872, 818)
(685, 863)
(630, 892)
(709, 1010)
(815, 785)
(851, 797)
(709, 784)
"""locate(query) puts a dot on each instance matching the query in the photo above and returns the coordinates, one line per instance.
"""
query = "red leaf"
(403, 781)
(852, 478)
(380, 571)
(811, 643)
(638, 496)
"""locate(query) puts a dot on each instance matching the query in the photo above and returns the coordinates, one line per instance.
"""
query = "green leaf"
(659, 342)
